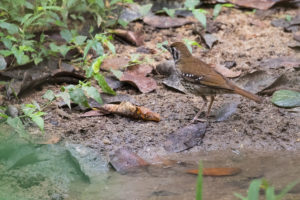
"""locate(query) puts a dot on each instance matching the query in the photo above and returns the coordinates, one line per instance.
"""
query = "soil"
(245, 38)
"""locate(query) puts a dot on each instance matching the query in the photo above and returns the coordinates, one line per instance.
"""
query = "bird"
(200, 79)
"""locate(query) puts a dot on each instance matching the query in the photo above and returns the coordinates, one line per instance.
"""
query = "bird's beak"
(167, 47)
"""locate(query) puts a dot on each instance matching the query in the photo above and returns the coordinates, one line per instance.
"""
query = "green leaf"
(200, 16)
(5, 53)
(111, 47)
(38, 121)
(100, 3)
(93, 93)
(253, 191)
(11, 28)
(87, 48)
(123, 23)
(16, 124)
(97, 46)
(286, 98)
(66, 98)
(103, 84)
(240, 196)
(199, 183)
(228, 5)
(77, 96)
(117, 73)
(20, 56)
(160, 45)
(114, 2)
(286, 190)
(190, 43)
(66, 34)
(79, 40)
(3, 63)
(288, 18)
(49, 95)
(217, 10)
(170, 12)
(270, 193)
(7, 42)
(63, 49)
(145, 9)
(89, 71)
(190, 4)
(97, 63)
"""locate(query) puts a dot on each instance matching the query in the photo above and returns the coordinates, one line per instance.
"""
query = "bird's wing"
(209, 76)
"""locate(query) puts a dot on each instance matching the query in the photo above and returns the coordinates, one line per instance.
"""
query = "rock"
(89, 161)
(12, 111)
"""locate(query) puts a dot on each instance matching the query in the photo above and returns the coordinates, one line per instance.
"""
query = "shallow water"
(156, 182)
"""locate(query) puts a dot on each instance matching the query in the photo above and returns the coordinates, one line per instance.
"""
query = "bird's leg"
(212, 98)
(201, 109)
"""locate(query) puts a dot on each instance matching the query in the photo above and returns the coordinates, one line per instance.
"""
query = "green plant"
(31, 112)
(199, 183)
(170, 12)
(190, 43)
(218, 8)
(199, 14)
(256, 185)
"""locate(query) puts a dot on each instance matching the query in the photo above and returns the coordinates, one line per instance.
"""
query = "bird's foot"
(196, 119)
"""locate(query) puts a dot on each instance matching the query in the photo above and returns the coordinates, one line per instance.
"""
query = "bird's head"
(178, 51)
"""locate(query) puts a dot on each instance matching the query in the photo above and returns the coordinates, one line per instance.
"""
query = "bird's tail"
(247, 94)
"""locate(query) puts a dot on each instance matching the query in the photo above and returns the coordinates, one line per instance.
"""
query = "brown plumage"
(201, 79)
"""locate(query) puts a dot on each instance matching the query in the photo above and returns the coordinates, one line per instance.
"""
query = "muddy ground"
(245, 38)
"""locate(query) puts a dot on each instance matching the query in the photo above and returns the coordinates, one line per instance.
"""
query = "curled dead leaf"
(133, 111)
(135, 38)
(222, 171)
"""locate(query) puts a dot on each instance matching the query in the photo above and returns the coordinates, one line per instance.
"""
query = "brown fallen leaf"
(222, 171)
(258, 4)
(123, 159)
(285, 62)
(166, 22)
(135, 38)
(227, 72)
(136, 75)
(130, 110)
(115, 63)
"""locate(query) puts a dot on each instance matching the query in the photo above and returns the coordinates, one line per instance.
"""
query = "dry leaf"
(135, 38)
(130, 110)
(223, 171)
(258, 4)
(136, 75)
(124, 159)
(166, 22)
(115, 63)
(227, 72)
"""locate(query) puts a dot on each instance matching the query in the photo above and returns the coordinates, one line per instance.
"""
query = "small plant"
(256, 185)
(199, 14)
(218, 8)
(199, 183)
(190, 43)
(32, 112)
